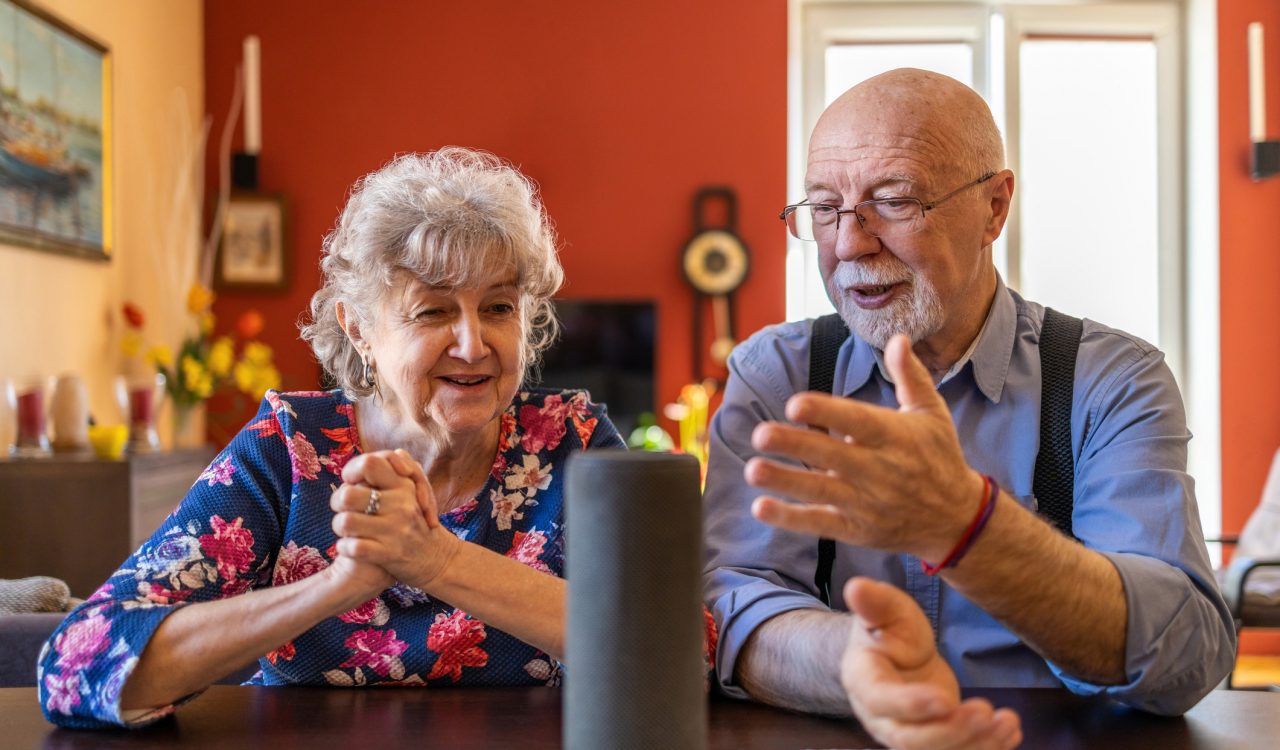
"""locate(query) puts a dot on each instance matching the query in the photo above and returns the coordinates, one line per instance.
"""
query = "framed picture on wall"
(55, 145)
(251, 254)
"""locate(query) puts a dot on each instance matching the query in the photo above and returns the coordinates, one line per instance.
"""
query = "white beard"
(918, 314)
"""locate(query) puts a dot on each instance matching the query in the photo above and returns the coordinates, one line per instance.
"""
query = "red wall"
(620, 111)
(1250, 273)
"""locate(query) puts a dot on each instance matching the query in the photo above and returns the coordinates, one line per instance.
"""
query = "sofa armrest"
(1237, 575)
(21, 637)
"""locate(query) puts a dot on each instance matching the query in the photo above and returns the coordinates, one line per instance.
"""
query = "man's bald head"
(948, 121)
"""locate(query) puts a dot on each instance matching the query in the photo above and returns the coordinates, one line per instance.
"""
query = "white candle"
(252, 96)
(1257, 86)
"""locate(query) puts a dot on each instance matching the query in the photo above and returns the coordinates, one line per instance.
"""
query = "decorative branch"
(224, 180)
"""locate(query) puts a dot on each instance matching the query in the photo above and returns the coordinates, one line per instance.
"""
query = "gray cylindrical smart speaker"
(634, 671)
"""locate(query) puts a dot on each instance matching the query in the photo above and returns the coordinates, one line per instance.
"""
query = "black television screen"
(606, 348)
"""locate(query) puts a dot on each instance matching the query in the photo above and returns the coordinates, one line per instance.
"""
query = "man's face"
(922, 284)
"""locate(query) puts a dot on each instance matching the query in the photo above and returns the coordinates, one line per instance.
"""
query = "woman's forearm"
(199, 643)
(506, 594)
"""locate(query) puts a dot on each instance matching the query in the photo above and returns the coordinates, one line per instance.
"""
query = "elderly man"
(921, 465)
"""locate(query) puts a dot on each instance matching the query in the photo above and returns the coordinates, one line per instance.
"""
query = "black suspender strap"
(1054, 482)
(829, 332)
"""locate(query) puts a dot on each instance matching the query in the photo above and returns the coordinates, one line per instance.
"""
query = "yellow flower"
(254, 380)
(246, 376)
(207, 321)
(270, 379)
(199, 298)
(221, 356)
(196, 376)
(130, 344)
(257, 353)
(160, 356)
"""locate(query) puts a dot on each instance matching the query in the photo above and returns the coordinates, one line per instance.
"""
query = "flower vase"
(188, 425)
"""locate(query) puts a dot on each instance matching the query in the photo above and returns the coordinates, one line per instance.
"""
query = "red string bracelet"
(990, 491)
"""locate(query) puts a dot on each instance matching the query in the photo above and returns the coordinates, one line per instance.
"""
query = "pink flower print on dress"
(457, 639)
(531, 475)
(278, 404)
(230, 545)
(295, 563)
(103, 592)
(306, 464)
(64, 691)
(544, 427)
(527, 548)
(459, 514)
(377, 650)
(81, 642)
(499, 469)
(154, 593)
(218, 473)
(373, 611)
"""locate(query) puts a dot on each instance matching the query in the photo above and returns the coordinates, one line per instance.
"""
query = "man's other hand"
(900, 688)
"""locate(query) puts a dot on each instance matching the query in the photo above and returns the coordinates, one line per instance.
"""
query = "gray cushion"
(21, 637)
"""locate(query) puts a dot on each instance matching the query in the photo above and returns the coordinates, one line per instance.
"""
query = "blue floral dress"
(259, 516)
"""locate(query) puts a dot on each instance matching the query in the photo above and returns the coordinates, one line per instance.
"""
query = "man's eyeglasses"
(888, 218)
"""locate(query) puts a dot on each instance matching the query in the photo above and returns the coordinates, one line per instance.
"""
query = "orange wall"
(619, 111)
(1250, 272)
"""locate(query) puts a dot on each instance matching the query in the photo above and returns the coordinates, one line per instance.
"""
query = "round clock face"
(715, 262)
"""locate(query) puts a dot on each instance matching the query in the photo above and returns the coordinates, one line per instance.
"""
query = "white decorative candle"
(252, 96)
(1257, 86)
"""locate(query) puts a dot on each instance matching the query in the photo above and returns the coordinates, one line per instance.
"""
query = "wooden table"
(529, 719)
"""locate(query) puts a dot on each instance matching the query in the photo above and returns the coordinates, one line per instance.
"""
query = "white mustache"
(848, 275)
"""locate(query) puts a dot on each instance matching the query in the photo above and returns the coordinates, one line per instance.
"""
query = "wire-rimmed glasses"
(887, 218)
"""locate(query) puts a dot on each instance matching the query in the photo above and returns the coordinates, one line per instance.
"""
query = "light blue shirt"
(1134, 503)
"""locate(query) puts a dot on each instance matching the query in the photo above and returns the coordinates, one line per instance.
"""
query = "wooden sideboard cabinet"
(77, 518)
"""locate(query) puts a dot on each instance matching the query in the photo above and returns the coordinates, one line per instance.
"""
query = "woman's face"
(448, 359)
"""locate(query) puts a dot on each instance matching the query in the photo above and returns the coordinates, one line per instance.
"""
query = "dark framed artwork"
(252, 252)
(55, 134)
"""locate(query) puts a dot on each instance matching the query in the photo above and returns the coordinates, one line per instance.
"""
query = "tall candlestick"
(1257, 86)
(252, 96)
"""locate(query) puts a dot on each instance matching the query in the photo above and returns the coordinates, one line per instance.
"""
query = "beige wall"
(60, 314)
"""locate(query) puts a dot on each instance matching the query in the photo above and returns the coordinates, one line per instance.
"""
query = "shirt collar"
(990, 352)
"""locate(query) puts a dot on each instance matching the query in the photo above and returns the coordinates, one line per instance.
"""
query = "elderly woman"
(404, 529)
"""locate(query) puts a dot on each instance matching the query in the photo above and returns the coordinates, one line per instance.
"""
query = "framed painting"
(252, 252)
(55, 134)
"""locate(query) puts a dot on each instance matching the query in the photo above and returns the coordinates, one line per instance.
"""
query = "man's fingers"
(970, 726)
(878, 605)
(901, 631)
(867, 424)
(912, 382)
(817, 450)
(874, 683)
(815, 520)
(1008, 730)
(806, 485)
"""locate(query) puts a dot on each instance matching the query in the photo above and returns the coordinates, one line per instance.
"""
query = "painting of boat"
(54, 156)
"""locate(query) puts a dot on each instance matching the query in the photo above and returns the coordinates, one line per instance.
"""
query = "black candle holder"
(1264, 159)
(244, 171)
